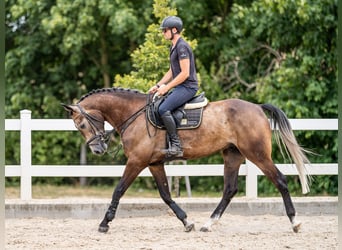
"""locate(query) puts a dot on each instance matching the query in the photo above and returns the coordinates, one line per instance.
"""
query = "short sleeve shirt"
(182, 50)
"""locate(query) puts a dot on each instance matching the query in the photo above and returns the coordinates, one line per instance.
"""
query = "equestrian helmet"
(172, 22)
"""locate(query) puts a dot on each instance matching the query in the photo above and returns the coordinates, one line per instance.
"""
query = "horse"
(238, 129)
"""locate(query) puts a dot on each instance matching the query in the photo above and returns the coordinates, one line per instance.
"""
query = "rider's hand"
(153, 89)
(162, 90)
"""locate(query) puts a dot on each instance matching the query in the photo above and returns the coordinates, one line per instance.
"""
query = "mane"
(109, 90)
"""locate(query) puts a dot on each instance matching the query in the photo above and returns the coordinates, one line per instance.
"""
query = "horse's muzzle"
(97, 144)
(98, 148)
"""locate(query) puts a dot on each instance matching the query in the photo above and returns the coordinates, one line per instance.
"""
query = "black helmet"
(172, 22)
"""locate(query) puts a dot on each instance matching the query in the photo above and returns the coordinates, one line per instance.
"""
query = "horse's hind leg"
(158, 173)
(232, 161)
(279, 180)
(257, 148)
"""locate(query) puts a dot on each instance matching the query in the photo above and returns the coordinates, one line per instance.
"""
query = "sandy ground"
(166, 232)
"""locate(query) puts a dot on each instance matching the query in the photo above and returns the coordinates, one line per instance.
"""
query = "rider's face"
(167, 32)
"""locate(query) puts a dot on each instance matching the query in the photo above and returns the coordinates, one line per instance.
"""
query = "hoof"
(189, 227)
(204, 229)
(103, 229)
(296, 227)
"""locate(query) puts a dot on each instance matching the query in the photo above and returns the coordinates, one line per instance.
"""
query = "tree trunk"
(104, 63)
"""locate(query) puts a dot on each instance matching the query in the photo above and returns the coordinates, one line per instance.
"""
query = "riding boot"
(175, 148)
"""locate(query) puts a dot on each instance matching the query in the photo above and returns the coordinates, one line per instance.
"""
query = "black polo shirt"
(182, 50)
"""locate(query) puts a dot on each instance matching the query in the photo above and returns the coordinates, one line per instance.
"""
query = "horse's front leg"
(159, 175)
(126, 180)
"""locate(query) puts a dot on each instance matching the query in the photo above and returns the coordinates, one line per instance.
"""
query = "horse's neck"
(118, 110)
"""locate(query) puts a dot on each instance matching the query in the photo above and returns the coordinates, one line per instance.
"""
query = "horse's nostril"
(98, 152)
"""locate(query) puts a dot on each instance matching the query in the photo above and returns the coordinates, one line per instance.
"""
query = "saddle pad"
(185, 119)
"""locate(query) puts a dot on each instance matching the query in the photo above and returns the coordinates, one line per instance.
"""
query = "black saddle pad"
(185, 118)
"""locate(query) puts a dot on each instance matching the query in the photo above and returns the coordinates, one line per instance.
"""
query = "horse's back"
(241, 117)
(238, 109)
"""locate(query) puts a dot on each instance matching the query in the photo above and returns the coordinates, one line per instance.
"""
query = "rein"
(132, 118)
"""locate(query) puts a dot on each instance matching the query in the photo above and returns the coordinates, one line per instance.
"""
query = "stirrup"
(168, 153)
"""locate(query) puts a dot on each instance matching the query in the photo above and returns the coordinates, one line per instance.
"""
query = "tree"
(56, 51)
(151, 59)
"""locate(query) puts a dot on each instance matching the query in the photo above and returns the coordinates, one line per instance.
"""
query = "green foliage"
(310, 65)
(151, 59)
(57, 51)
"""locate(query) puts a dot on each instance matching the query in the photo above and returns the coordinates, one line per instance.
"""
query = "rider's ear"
(68, 108)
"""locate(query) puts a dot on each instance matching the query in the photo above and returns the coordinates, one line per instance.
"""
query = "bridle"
(99, 135)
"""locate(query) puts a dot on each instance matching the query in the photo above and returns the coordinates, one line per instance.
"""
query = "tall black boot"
(175, 149)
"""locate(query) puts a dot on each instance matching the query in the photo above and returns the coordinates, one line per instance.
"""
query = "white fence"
(26, 170)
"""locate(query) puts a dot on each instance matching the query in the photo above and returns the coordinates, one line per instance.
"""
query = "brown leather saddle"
(188, 116)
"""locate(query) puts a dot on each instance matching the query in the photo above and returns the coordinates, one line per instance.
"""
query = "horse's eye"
(82, 126)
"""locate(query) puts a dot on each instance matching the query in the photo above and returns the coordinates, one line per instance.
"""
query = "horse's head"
(91, 125)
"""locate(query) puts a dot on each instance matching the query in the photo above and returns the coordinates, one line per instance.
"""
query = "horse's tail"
(282, 129)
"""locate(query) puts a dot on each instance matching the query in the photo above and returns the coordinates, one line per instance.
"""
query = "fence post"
(251, 180)
(25, 155)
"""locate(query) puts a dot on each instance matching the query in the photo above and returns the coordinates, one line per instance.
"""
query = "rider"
(181, 77)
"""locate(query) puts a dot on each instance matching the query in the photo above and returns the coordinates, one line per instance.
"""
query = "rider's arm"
(183, 75)
(166, 78)
(179, 79)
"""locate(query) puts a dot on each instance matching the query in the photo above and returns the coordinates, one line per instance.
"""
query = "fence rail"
(26, 170)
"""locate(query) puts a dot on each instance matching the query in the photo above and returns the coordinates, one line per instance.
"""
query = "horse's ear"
(69, 108)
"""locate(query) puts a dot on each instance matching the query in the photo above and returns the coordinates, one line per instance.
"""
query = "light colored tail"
(283, 130)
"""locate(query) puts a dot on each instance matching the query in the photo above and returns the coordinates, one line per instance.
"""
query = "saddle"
(188, 116)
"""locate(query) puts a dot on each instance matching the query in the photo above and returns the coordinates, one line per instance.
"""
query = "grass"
(69, 191)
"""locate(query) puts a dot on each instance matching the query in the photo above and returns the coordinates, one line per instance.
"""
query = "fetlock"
(110, 214)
